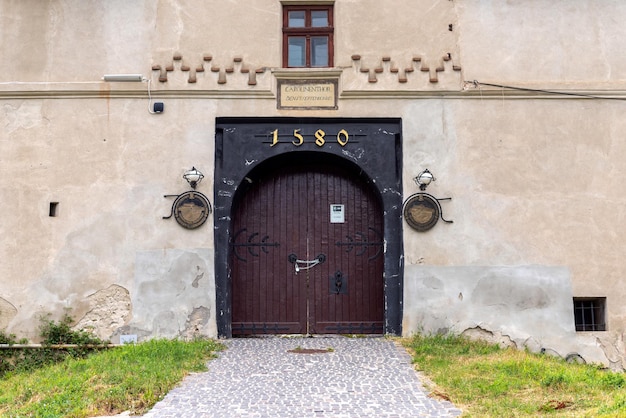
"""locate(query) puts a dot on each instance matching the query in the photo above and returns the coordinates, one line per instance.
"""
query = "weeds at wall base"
(15, 360)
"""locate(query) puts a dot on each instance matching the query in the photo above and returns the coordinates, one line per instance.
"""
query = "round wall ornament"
(191, 209)
(421, 211)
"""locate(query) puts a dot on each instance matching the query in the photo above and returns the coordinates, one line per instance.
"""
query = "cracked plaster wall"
(174, 294)
(108, 310)
(526, 307)
(7, 313)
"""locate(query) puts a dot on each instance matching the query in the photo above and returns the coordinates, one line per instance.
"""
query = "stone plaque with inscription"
(305, 94)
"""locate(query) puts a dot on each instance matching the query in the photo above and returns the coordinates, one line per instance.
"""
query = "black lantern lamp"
(193, 177)
(424, 178)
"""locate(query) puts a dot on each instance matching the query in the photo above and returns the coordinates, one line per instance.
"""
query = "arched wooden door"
(307, 254)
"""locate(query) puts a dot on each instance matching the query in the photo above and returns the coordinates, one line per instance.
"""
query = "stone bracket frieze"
(403, 73)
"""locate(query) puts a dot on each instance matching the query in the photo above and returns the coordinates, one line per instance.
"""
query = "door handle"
(338, 284)
(305, 264)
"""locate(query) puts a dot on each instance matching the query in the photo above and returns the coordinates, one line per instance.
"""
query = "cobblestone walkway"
(346, 377)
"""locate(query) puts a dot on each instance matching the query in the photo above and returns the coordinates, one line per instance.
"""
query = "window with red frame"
(307, 36)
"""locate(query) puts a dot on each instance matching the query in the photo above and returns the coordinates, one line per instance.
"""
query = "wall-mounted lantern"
(422, 210)
(193, 177)
(423, 179)
(191, 209)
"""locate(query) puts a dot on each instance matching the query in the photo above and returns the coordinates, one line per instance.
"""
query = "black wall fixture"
(190, 209)
(422, 210)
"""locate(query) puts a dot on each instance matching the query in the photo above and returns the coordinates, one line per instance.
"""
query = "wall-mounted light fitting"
(424, 178)
(191, 209)
(156, 108)
(421, 210)
(193, 177)
(123, 77)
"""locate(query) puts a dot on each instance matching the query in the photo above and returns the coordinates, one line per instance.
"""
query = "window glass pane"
(319, 51)
(297, 51)
(319, 18)
(296, 19)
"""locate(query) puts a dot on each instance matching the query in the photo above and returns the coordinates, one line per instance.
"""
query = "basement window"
(590, 314)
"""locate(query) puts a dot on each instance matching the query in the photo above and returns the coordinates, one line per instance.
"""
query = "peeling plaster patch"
(528, 305)
(614, 348)
(109, 309)
(28, 115)
(433, 282)
(169, 286)
(198, 277)
(197, 322)
(7, 313)
(482, 334)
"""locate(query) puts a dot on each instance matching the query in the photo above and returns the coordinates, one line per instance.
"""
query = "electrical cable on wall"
(158, 106)
(478, 84)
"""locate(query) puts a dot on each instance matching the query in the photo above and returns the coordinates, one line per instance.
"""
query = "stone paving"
(343, 377)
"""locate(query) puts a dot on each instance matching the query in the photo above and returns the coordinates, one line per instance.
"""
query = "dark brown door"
(307, 254)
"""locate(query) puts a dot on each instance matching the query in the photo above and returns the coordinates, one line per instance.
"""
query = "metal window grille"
(589, 314)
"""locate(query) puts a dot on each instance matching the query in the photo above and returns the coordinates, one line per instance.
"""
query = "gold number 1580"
(320, 137)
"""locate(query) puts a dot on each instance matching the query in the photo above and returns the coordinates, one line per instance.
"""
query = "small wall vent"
(52, 212)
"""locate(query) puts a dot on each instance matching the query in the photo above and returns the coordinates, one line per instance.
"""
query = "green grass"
(481, 379)
(130, 378)
(486, 381)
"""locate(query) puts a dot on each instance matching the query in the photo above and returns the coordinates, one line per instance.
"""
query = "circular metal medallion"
(191, 209)
(421, 212)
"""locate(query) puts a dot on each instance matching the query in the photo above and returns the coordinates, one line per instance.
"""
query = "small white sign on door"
(337, 214)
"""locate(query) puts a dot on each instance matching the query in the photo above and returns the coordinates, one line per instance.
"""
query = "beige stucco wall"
(535, 178)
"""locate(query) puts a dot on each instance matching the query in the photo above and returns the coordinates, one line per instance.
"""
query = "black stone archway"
(372, 145)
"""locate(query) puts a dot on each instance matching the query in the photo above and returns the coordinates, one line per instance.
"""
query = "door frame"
(372, 145)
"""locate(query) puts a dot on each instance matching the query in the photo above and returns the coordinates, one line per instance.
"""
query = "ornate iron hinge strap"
(359, 239)
(250, 245)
